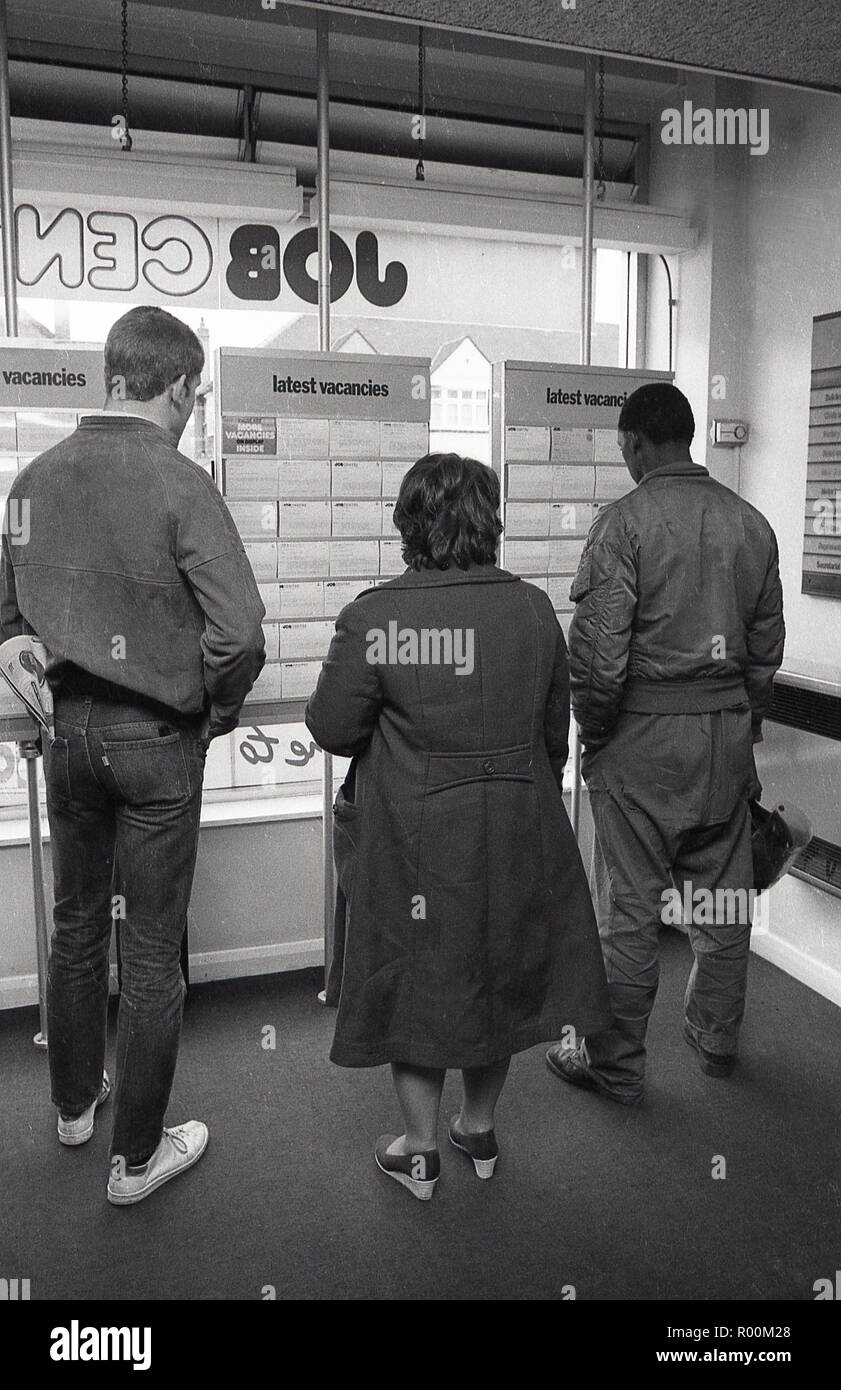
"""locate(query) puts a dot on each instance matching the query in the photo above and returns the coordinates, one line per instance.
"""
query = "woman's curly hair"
(448, 513)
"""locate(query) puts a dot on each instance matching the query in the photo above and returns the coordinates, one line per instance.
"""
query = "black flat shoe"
(417, 1172)
(482, 1148)
(711, 1063)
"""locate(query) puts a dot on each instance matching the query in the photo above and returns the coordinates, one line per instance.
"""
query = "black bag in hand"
(777, 838)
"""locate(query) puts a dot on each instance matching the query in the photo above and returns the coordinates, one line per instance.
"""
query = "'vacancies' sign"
(207, 262)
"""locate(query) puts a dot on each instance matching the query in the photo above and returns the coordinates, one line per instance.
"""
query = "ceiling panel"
(371, 61)
(489, 103)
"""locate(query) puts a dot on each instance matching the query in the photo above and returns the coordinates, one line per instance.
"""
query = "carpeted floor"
(619, 1203)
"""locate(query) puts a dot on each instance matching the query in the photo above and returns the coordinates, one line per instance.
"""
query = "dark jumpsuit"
(676, 637)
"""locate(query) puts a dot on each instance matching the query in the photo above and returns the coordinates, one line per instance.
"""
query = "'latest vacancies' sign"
(545, 394)
(323, 385)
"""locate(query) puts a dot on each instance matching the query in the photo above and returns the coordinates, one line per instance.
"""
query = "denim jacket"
(120, 554)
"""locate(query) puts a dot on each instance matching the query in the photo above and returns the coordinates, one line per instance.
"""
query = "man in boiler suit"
(674, 644)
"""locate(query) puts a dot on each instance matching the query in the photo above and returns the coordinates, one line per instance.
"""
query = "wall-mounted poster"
(822, 520)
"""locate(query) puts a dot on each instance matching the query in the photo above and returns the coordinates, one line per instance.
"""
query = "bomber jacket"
(128, 565)
(679, 605)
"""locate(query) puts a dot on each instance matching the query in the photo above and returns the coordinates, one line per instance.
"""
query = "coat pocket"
(452, 848)
(346, 816)
(462, 789)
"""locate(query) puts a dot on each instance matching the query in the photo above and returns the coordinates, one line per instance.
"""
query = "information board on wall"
(822, 521)
(315, 446)
(45, 389)
(554, 443)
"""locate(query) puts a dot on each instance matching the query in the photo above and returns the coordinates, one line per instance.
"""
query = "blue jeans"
(123, 799)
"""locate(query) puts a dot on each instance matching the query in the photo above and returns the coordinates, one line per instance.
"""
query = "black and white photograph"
(420, 674)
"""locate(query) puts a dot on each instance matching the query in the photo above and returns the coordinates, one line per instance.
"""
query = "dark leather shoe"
(482, 1148)
(568, 1063)
(711, 1063)
(417, 1172)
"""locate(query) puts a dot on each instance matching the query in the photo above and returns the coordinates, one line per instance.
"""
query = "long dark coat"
(470, 929)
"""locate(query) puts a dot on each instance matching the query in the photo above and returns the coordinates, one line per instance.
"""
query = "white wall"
(792, 265)
(792, 271)
(768, 259)
(235, 928)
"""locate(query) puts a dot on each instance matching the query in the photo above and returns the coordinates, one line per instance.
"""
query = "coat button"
(488, 766)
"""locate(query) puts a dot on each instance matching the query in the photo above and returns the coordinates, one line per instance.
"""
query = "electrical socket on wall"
(729, 434)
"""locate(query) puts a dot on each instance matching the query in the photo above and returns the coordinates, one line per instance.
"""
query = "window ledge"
(254, 811)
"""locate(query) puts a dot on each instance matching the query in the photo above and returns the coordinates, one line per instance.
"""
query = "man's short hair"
(447, 513)
(146, 350)
(660, 412)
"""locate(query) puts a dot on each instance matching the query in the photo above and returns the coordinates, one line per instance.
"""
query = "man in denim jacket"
(677, 634)
(132, 573)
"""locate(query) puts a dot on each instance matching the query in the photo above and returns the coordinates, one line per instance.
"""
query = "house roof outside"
(28, 327)
(438, 341)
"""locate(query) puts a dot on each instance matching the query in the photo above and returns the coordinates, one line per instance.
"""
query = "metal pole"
(589, 201)
(586, 340)
(323, 182)
(7, 203)
(29, 751)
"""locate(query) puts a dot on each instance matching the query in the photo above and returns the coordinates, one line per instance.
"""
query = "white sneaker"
(179, 1149)
(79, 1131)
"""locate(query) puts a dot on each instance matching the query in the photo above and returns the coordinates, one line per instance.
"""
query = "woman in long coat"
(470, 929)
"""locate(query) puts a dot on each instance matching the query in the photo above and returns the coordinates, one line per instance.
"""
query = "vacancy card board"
(554, 436)
(45, 388)
(315, 446)
(822, 517)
